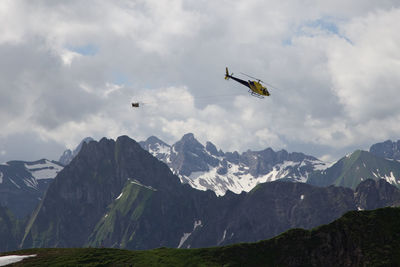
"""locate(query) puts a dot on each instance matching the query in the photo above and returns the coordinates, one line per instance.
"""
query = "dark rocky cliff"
(78, 197)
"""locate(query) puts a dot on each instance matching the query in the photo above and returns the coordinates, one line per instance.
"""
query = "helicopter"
(255, 87)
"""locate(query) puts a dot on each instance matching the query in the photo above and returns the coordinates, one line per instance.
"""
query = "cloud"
(366, 71)
(70, 70)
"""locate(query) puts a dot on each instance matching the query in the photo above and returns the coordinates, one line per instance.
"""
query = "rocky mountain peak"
(212, 149)
(68, 154)
(152, 140)
(188, 136)
(189, 155)
(188, 142)
(157, 148)
(387, 149)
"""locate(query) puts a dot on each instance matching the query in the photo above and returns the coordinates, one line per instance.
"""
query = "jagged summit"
(188, 136)
(206, 167)
(156, 147)
(154, 140)
(68, 154)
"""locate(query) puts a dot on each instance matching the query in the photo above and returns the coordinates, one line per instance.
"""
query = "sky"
(71, 69)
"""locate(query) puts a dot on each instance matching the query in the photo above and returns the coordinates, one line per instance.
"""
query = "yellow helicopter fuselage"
(256, 88)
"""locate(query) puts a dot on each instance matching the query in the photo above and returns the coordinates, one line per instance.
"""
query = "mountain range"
(206, 168)
(117, 194)
(23, 184)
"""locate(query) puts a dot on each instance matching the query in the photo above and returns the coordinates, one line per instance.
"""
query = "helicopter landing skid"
(256, 95)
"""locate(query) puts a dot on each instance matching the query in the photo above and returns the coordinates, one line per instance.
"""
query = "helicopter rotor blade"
(270, 85)
(251, 76)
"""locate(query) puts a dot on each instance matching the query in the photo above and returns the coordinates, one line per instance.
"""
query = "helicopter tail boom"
(227, 76)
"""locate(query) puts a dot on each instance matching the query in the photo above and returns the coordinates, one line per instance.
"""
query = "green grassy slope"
(129, 205)
(367, 238)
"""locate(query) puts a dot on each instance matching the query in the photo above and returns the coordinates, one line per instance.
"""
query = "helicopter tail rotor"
(227, 76)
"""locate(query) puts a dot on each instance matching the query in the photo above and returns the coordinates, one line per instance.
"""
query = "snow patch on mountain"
(391, 179)
(1, 177)
(120, 195)
(186, 235)
(10, 259)
(183, 239)
(45, 170)
(238, 177)
(320, 165)
(159, 149)
(223, 238)
(31, 182)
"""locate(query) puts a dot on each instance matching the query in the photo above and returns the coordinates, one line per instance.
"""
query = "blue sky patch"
(120, 78)
(324, 24)
(86, 50)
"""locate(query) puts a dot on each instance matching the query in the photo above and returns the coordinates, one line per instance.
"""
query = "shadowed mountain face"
(387, 149)
(115, 194)
(268, 210)
(78, 197)
(9, 231)
(23, 184)
(376, 194)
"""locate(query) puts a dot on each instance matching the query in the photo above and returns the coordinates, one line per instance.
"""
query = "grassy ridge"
(370, 238)
(115, 257)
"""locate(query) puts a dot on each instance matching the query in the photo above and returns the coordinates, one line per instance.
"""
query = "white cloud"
(71, 69)
(366, 71)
